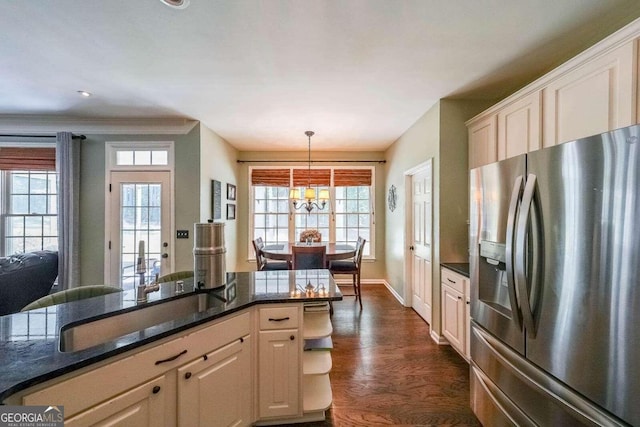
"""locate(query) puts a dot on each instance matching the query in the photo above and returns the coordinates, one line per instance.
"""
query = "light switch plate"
(182, 234)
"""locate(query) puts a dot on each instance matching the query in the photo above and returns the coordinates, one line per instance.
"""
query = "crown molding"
(32, 124)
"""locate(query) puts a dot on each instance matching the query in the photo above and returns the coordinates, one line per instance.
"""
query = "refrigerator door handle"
(520, 262)
(511, 228)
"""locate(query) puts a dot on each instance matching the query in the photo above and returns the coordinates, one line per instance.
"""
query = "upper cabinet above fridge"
(595, 92)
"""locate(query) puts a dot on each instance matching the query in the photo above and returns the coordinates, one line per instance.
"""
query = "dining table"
(283, 251)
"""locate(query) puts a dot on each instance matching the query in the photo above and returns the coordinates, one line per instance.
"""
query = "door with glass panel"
(140, 211)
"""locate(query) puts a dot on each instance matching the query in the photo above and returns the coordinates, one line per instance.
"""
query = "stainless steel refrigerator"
(555, 274)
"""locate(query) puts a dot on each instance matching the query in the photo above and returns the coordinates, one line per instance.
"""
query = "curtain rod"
(81, 137)
(312, 161)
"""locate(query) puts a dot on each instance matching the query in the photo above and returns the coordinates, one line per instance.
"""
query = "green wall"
(442, 135)
(218, 160)
(92, 198)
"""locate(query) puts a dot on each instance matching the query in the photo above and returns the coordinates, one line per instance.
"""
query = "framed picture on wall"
(231, 211)
(216, 199)
(231, 192)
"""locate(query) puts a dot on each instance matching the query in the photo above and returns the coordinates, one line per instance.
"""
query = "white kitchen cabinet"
(596, 97)
(455, 314)
(519, 126)
(279, 368)
(142, 406)
(453, 308)
(213, 390)
(121, 392)
(482, 141)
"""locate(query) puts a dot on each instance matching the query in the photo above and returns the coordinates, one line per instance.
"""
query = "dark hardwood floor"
(388, 371)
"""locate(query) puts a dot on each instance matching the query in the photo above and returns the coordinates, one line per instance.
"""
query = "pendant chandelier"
(309, 201)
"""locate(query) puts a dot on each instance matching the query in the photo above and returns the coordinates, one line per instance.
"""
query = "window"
(348, 214)
(29, 219)
(353, 215)
(142, 157)
(271, 214)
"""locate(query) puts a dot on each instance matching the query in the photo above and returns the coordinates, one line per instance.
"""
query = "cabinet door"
(482, 142)
(519, 127)
(141, 406)
(279, 375)
(597, 97)
(215, 390)
(453, 310)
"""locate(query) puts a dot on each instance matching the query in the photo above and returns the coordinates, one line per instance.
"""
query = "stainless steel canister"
(209, 263)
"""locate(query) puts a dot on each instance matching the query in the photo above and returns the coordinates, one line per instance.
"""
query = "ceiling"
(259, 73)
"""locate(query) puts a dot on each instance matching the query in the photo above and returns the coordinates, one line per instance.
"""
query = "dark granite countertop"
(30, 346)
(458, 267)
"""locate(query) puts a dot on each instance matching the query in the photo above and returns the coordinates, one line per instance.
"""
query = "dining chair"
(261, 261)
(352, 267)
(308, 257)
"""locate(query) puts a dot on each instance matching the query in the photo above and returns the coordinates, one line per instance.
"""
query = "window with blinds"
(348, 215)
(29, 213)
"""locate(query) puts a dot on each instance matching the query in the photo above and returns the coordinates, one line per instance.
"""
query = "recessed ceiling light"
(84, 93)
(176, 4)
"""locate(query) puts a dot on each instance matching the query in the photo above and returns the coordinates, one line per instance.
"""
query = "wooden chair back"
(309, 257)
(258, 244)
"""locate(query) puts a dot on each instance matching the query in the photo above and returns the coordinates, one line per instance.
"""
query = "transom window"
(348, 214)
(142, 157)
(139, 155)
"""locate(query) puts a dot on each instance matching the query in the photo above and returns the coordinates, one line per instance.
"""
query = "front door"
(140, 211)
(421, 227)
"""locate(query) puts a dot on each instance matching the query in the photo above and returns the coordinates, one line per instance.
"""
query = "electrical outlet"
(182, 234)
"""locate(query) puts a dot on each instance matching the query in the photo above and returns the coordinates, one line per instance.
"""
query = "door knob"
(165, 244)
(165, 255)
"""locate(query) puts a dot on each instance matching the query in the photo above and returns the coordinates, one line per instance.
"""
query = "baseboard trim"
(372, 282)
(439, 339)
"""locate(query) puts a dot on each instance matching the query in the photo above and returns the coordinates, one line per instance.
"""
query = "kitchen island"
(34, 356)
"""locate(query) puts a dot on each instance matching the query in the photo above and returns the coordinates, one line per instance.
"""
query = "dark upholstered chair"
(26, 277)
(308, 257)
(176, 275)
(351, 267)
(73, 294)
(262, 262)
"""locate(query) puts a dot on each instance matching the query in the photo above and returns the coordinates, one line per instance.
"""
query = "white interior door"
(140, 210)
(421, 250)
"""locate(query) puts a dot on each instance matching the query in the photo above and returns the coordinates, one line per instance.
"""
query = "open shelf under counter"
(316, 362)
(317, 393)
(317, 325)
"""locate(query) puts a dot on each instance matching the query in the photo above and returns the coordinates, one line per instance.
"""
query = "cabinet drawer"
(454, 280)
(279, 318)
(82, 391)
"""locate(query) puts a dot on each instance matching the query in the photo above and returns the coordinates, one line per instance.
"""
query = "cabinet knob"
(292, 337)
(187, 375)
(156, 389)
(459, 298)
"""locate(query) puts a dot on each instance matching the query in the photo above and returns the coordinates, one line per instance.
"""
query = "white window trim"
(111, 148)
(332, 228)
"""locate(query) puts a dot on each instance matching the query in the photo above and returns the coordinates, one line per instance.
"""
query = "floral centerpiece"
(310, 235)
